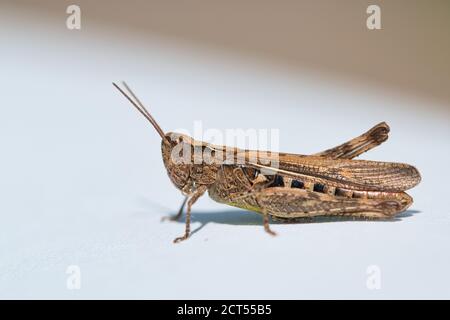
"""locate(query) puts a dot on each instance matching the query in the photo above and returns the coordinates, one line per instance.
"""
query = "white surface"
(82, 181)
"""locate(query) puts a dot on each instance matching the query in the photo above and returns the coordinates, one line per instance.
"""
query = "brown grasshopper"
(328, 183)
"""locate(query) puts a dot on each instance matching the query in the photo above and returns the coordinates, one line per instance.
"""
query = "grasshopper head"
(189, 163)
(177, 150)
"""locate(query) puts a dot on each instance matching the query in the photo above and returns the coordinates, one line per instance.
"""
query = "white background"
(82, 181)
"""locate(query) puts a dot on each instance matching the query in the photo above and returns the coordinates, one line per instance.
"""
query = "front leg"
(192, 199)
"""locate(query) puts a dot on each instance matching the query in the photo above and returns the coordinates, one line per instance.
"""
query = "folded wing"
(351, 174)
(345, 173)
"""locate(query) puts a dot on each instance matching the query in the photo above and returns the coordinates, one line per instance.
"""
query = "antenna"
(140, 107)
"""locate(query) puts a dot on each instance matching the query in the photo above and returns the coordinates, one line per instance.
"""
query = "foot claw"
(179, 239)
(169, 218)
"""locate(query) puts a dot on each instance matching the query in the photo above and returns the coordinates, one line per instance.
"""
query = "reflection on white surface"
(82, 181)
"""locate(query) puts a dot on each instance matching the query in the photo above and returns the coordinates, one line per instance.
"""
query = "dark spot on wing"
(318, 187)
(278, 181)
(297, 184)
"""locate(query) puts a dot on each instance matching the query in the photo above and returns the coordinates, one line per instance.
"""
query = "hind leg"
(267, 225)
(355, 147)
(291, 203)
